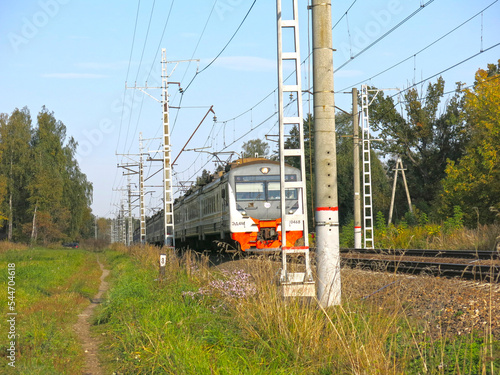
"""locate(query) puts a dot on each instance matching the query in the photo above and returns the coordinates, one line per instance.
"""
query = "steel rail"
(465, 254)
(477, 272)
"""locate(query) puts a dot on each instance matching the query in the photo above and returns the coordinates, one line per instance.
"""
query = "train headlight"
(265, 170)
(241, 210)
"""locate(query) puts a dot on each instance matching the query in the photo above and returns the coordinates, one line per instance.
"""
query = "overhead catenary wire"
(158, 48)
(344, 15)
(128, 71)
(384, 35)
(213, 60)
(137, 74)
(125, 90)
(448, 68)
(224, 48)
(421, 50)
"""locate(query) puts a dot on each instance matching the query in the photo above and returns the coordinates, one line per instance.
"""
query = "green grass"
(193, 323)
(153, 328)
(52, 288)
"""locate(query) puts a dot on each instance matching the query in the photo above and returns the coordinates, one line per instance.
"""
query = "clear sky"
(75, 56)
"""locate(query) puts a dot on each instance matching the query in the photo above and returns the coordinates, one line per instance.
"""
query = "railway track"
(438, 263)
(462, 254)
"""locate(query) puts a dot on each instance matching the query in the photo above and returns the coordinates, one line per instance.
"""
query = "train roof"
(249, 161)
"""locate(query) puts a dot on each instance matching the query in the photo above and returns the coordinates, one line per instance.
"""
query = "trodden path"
(82, 329)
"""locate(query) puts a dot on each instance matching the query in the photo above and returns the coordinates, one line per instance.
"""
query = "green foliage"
(423, 138)
(347, 235)
(255, 146)
(473, 182)
(411, 218)
(423, 219)
(380, 221)
(47, 196)
(455, 222)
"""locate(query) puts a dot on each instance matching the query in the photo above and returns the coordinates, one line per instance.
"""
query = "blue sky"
(75, 56)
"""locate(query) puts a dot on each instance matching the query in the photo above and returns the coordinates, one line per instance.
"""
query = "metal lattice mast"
(123, 227)
(168, 203)
(112, 231)
(142, 208)
(294, 283)
(130, 237)
(367, 173)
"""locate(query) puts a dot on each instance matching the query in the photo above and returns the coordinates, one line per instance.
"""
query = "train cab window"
(250, 191)
(273, 192)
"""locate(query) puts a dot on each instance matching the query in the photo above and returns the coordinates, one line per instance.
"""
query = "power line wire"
(423, 49)
(224, 48)
(344, 15)
(385, 35)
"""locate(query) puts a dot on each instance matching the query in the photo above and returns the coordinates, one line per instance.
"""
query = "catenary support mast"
(168, 201)
(142, 207)
(294, 284)
(368, 234)
(327, 216)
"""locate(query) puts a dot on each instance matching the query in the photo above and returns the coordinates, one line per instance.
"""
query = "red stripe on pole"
(357, 227)
(327, 209)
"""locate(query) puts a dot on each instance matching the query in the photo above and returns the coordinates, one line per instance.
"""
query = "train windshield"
(273, 192)
(260, 188)
(250, 191)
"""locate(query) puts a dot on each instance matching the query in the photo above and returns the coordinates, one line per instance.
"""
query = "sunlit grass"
(52, 287)
(201, 320)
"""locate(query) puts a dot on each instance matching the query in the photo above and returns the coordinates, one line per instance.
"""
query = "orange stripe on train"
(247, 240)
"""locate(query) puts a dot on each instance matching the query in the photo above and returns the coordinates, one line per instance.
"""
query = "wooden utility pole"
(399, 167)
(327, 215)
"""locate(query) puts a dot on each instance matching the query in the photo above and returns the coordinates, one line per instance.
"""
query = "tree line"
(44, 196)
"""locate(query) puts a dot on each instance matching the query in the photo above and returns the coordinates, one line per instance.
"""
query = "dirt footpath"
(82, 329)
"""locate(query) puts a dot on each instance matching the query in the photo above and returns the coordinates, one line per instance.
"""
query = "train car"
(240, 208)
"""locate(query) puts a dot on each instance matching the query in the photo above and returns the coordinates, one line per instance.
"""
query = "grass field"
(52, 286)
(211, 321)
(205, 320)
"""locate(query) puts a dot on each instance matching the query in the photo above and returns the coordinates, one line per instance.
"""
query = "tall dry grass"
(286, 335)
(8, 246)
(433, 236)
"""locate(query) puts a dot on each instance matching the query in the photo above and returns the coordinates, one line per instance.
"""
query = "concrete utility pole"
(327, 215)
(357, 193)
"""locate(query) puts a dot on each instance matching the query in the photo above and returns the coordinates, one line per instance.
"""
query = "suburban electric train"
(240, 208)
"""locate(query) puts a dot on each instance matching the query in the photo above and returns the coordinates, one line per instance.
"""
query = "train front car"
(254, 201)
